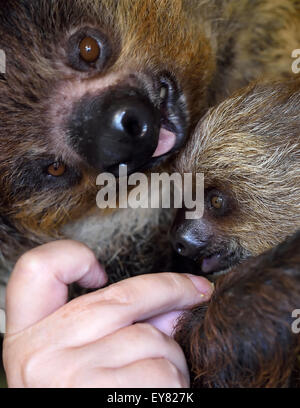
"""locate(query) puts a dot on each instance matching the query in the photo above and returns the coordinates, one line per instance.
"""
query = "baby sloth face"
(249, 151)
(203, 241)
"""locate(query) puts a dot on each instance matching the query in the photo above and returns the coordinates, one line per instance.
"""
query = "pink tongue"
(166, 143)
(210, 264)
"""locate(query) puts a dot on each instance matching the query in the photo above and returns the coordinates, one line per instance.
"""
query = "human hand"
(100, 339)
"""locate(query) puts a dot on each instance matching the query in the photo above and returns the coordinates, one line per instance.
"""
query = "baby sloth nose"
(187, 244)
(187, 237)
(120, 127)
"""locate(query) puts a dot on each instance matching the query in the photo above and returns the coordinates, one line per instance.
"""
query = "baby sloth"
(249, 151)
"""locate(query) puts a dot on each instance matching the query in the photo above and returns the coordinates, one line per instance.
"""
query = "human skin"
(113, 337)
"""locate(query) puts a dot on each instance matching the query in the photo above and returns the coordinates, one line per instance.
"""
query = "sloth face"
(205, 241)
(250, 158)
(91, 85)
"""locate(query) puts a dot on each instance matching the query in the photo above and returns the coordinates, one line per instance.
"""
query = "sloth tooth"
(163, 92)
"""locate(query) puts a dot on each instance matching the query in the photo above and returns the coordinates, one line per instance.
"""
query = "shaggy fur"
(243, 337)
(249, 148)
(37, 95)
(211, 48)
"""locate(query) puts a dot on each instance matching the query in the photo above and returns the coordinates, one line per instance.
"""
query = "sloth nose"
(189, 238)
(188, 245)
(119, 127)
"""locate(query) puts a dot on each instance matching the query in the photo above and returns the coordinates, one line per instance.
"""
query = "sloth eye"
(89, 49)
(217, 202)
(44, 173)
(56, 169)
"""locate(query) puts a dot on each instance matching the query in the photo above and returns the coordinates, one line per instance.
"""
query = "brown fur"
(34, 40)
(243, 337)
(211, 48)
(150, 36)
(249, 148)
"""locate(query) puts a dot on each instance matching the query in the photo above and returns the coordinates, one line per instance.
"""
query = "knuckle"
(21, 365)
(30, 368)
(147, 330)
(169, 371)
(183, 382)
(118, 293)
(169, 368)
(75, 308)
(43, 368)
(30, 262)
(178, 285)
(86, 252)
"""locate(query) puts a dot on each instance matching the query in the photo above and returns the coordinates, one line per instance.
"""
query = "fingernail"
(204, 286)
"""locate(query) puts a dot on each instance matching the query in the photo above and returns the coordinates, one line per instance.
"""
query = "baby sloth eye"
(57, 169)
(89, 49)
(217, 202)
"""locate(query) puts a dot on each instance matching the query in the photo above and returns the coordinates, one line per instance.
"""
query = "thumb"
(166, 322)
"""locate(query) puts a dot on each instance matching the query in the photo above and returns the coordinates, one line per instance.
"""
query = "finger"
(38, 285)
(150, 373)
(101, 313)
(137, 342)
(166, 322)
